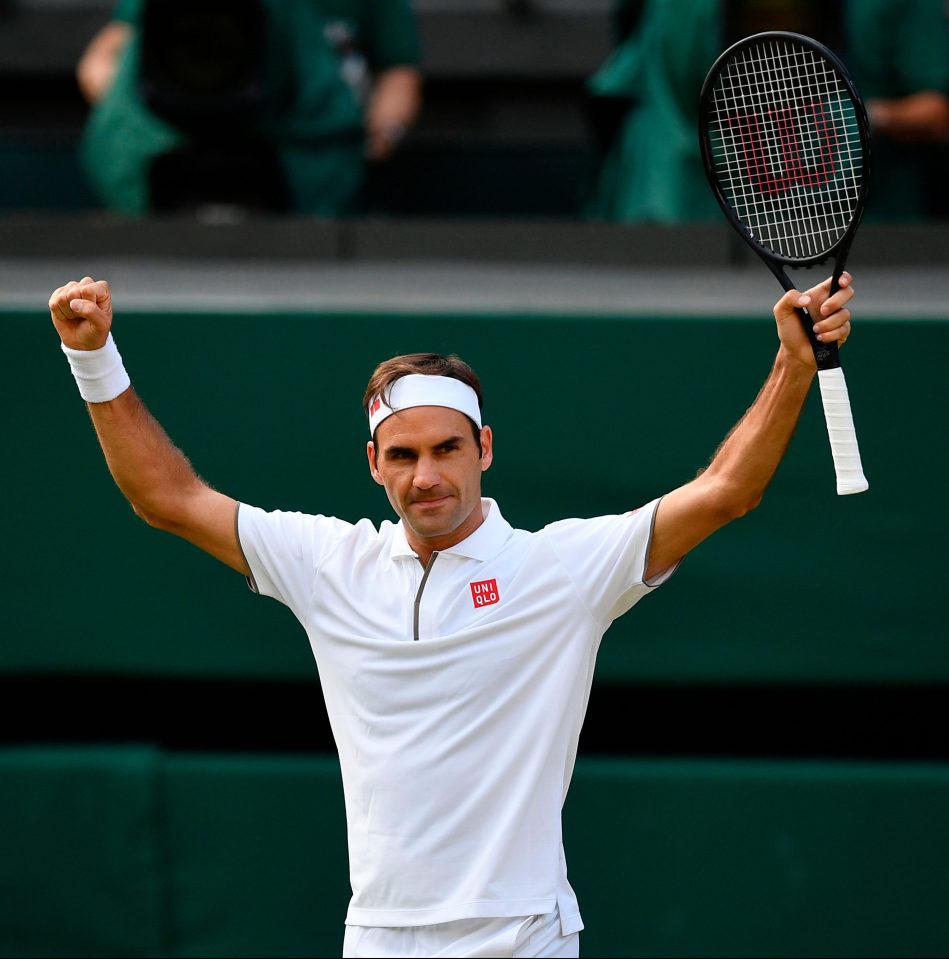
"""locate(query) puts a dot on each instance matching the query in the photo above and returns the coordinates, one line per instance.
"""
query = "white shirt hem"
(486, 909)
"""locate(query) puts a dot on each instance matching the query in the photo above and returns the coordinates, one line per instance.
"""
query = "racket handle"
(843, 438)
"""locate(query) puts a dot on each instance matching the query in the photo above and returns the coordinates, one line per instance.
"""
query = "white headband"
(417, 389)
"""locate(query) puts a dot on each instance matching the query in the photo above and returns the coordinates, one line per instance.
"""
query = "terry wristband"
(99, 374)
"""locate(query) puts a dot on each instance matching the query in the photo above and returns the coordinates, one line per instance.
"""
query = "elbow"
(143, 514)
(166, 509)
(747, 505)
(732, 502)
(152, 518)
(744, 506)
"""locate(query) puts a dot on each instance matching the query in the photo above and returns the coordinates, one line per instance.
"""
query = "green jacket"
(653, 172)
(313, 113)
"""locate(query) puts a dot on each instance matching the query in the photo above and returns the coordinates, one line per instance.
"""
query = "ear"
(371, 455)
(487, 448)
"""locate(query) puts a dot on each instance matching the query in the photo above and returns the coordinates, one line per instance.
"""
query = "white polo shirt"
(456, 693)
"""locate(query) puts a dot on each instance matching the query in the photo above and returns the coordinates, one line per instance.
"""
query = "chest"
(446, 649)
(397, 600)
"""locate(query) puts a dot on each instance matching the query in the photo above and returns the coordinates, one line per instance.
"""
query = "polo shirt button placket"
(418, 596)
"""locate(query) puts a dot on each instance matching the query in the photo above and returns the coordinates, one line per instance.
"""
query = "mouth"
(425, 504)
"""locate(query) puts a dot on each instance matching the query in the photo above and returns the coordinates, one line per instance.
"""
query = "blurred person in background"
(651, 170)
(272, 105)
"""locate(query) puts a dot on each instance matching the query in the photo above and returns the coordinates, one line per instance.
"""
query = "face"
(427, 460)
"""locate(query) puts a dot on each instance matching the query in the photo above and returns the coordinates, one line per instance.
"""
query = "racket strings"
(780, 137)
(786, 147)
(782, 162)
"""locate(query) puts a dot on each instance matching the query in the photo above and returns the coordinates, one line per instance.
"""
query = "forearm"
(919, 118)
(393, 107)
(739, 472)
(96, 69)
(396, 97)
(152, 473)
(744, 464)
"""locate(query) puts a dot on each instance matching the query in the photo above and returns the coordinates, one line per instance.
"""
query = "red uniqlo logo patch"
(485, 593)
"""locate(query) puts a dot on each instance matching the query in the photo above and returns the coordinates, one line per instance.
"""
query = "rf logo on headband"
(485, 593)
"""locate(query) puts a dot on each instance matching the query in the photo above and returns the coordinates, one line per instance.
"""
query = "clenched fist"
(82, 313)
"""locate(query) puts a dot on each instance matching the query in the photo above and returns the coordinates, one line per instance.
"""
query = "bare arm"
(100, 60)
(918, 118)
(150, 470)
(741, 469)
(393, 107)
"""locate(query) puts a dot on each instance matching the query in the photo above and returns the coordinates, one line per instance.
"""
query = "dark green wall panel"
(760, 859)
(81, 853)
(591, 415)
(141, 853)
(259, 852)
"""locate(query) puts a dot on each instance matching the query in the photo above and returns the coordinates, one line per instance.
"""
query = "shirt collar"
(484, 543)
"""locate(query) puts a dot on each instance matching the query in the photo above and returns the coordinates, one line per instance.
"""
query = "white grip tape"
(843, 438)
(100, 373)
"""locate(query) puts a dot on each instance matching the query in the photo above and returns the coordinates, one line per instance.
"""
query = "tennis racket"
(786, 146)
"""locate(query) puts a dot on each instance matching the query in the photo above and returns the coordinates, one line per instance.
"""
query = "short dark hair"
(428, 364)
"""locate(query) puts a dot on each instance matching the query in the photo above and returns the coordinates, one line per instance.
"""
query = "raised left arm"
(735, 480)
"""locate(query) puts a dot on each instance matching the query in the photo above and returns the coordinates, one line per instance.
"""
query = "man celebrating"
(455, 653)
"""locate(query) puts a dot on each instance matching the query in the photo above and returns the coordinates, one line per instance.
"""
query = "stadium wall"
(134, 852)
(591, 416)
(120, 846)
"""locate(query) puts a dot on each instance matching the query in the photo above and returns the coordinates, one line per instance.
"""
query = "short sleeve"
(284, 550)
(606, 559)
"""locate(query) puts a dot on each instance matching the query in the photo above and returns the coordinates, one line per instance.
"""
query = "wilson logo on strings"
(800, 144)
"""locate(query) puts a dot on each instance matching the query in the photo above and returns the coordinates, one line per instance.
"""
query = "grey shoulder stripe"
(251, 583)
(663, 574)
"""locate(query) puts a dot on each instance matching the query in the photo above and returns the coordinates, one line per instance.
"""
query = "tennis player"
(455, 652)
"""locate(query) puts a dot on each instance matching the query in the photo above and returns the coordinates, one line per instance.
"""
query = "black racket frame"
(826, 354)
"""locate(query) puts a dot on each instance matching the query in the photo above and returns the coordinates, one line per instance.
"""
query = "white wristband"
(99, 374)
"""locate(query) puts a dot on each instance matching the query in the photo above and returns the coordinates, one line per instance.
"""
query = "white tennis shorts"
(520, 938)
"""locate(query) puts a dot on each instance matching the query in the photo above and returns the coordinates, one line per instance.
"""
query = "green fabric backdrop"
(133, 852)
(591, 415)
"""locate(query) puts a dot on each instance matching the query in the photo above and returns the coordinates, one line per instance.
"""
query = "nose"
(426, 474)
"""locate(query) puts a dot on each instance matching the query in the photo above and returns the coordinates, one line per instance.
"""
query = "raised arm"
(150, 470)
(921, 117)
(743, 465)
(393, 108)
(97, 67)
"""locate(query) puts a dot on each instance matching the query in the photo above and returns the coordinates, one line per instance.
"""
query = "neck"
(424, 546)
